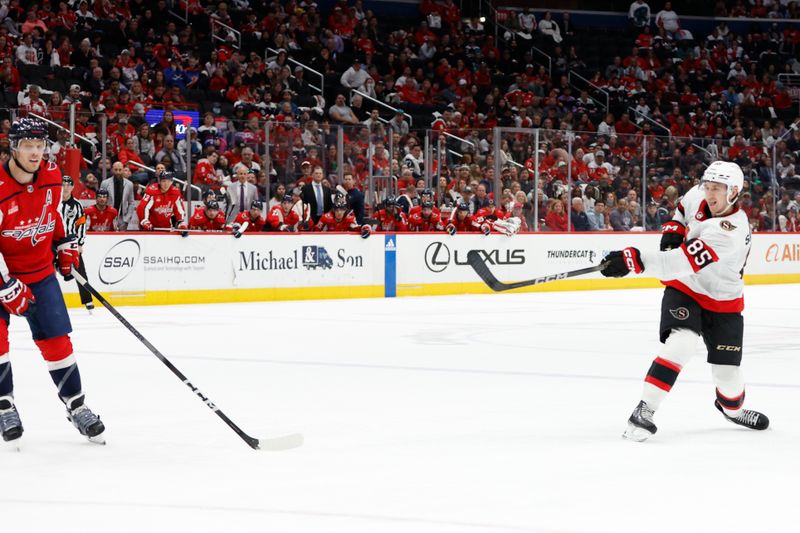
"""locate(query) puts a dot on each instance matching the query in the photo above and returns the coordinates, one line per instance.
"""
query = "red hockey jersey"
(247, 224)
(327, 222)
(277, 218)
(29, 223)
(201, 221)
(100, 220)
(159, 207)
(417, 222)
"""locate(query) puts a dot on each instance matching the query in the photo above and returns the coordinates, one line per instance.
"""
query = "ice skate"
(640, 424)
(86, 422)
(10, 424)
(747, 418)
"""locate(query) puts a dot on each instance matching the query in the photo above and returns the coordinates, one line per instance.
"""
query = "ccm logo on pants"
(726, 348)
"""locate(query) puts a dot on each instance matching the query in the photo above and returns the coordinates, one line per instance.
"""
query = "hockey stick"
(277, 443)
(478, 264)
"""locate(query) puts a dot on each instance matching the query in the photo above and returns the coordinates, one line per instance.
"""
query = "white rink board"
(429, 263)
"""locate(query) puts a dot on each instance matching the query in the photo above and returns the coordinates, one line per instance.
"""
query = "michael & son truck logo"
(310, 257)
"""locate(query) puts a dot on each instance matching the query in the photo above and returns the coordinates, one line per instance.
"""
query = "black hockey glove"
(672, 235)
(622, 262)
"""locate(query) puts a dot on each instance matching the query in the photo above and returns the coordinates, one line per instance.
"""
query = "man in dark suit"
(317, 196)
(355, 198)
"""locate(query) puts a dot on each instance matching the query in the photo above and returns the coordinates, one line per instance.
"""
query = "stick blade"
(276, 444)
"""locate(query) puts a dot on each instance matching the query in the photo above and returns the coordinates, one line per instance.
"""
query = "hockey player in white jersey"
(704, 249)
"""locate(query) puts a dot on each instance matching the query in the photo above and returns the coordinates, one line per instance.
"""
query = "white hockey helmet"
(727, 173)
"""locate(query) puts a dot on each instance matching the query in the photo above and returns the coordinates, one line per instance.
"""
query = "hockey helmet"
(27, 128)
(427, 192)
(462, 206)
(390, 201)
(340, 203)
(427, 204)
(212, 204)
(726, 173)
(167, 175)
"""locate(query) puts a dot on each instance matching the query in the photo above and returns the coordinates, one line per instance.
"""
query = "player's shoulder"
(731, 228)
(49, 174)
(691, 200)
(151, 189)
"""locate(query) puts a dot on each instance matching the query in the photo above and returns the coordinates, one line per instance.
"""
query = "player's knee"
(680, 345)
(56, 349)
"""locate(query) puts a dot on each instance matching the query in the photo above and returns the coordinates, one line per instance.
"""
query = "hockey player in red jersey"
(391, 218)
(425, 196)
(339, 220)
(208, 218)
(704, 249)
(282, 217)
(249, 221)
(100, 216)
(462, 221)
(426, 219)
(161, 204)
(30, 231)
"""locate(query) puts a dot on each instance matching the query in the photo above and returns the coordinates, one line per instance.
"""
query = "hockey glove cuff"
(622, 262)
(672, 235)
(366, 231)
(17, 298)
(67, 256)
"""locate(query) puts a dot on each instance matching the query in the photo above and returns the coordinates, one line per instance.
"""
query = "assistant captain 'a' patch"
(727, 226)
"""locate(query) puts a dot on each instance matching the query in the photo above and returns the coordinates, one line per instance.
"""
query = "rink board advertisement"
(143, 269)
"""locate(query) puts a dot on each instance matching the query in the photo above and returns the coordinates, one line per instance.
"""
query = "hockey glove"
(451, 229)
(486, 228)
(621, 262)
(672, 235)
(183, 228)
(17, 298)
(147, 225)
(366, 231)
(67, 256)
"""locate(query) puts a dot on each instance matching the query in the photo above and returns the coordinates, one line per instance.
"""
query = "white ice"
(492, 413)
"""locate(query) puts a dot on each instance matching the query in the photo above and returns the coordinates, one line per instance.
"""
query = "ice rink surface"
(492, 413)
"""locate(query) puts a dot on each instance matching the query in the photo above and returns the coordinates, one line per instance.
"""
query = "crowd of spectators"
(297, 97)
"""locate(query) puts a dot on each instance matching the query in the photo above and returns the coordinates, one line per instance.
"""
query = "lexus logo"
(437, 256)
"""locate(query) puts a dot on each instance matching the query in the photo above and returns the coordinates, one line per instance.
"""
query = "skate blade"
(97, 439)
(636, 434)
(13, 445)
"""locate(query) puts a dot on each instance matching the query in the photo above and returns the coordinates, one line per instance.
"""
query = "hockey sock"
(730, 388)
(67, 378)
(675, 353)
(6, 377)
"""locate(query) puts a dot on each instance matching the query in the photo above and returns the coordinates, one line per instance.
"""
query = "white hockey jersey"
(709, 265)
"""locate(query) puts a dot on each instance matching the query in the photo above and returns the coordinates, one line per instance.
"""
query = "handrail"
(153, 170)
(384, 104)
(59, 126)
(457, 154)
(321, 87)
(592, 85)
(236, 33)
(182, 18)
(458, 138)
(653, 121)
(549, 59)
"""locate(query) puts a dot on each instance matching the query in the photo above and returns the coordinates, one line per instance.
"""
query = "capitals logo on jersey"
(37, 228)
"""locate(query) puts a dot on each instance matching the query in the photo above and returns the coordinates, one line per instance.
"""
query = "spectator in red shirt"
(556, 218)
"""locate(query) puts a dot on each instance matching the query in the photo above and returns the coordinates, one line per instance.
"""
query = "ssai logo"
(119, 261)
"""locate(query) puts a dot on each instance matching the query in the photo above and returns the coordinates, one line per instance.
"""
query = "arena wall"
(148, 269)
